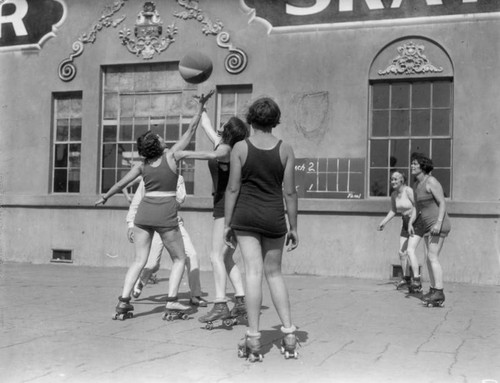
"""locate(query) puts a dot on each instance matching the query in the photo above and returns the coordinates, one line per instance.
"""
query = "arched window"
(411, 110)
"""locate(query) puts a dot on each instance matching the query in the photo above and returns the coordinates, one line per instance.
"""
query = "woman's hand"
(130, 234)
(101, 201)
(436, 229)
(292, 240)
(411, 230)
(229, 237)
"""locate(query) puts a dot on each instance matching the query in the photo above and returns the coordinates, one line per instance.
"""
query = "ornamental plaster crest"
(410, 60)
(148, 32)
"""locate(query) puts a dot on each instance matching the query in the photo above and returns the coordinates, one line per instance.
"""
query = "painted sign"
(281, 13)
(27, 24)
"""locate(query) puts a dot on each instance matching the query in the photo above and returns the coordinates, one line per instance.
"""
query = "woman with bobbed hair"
(157, 212)
(261, 184)
(221, 255)
(431, 208)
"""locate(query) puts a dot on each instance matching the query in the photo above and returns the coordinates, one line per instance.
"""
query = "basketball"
(195, 67)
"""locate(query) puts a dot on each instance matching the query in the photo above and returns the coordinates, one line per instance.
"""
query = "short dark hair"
(264, 112)
(234, 130)
(148, 145)
(425, 162)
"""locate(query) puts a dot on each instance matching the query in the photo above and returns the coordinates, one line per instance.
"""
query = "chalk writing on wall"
(335, 178)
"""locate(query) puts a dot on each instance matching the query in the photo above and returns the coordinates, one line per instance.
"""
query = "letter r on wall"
(16, 18)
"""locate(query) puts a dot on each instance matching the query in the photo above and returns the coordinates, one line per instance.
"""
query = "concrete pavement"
(56, 327)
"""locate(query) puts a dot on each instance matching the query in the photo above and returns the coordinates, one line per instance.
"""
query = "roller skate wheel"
(228, 322)
(209, 326)
(184, 316)
(241, 353)
(255, 358)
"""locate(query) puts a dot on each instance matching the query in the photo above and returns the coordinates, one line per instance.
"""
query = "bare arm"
(135, 172)
(291, 199)
(222, 153)
(207, 126)
(390, 215)
(232, 191)
(436, 189)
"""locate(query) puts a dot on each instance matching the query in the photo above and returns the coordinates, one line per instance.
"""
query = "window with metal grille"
(407, 117)
(232, 101)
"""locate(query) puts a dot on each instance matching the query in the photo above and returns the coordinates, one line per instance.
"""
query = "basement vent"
(61, 256)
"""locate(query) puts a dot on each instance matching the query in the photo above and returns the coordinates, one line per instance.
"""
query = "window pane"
(159, 78)
(126, 155)
(243, 102)
(421, 95)
(112, 79)
(158, 127)
(126, 129)
(228, 105)
(61, 156)
(109, 155)
(420, 122)
(140, 127)
(441, 153)
(173, 106)
(399, 154)
(127, 105)
(109, 133)
(420, 146)
(379, 179)
(441, 94)
(74, 181)
(142, 78)
(74, 155)
(108, 179)
(62, 130)
(380, 123)
(142, 105)
(172, 131)
(189, 105)
(380, 95)
(111, 106)
(444, 178)
(60, 180)
(400, 96)
(63, 107)
(379, 153)
(400, 123)
(75, 130)
(440, 122)
(158, 102)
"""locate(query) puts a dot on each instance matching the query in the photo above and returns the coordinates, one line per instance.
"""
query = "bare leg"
(217, 259)
(435, 244)
(254, 265)
(403, 256)
(142, 243)
(172, 240)
(154, 258)
(413, 242)
(192, 263)
(272, 249)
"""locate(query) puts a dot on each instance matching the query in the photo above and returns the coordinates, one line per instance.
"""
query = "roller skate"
(249, 347)
(404, 282)
(198, 301)
(137, 290)
(415, 286)
(123, 309)
(239, 309)
(436, 299)
(426, 296)
(175, 310)
(218, 315)
(153, 279)
(289, 343)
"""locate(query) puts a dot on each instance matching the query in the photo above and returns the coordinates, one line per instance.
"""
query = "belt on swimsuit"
(159, 194)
